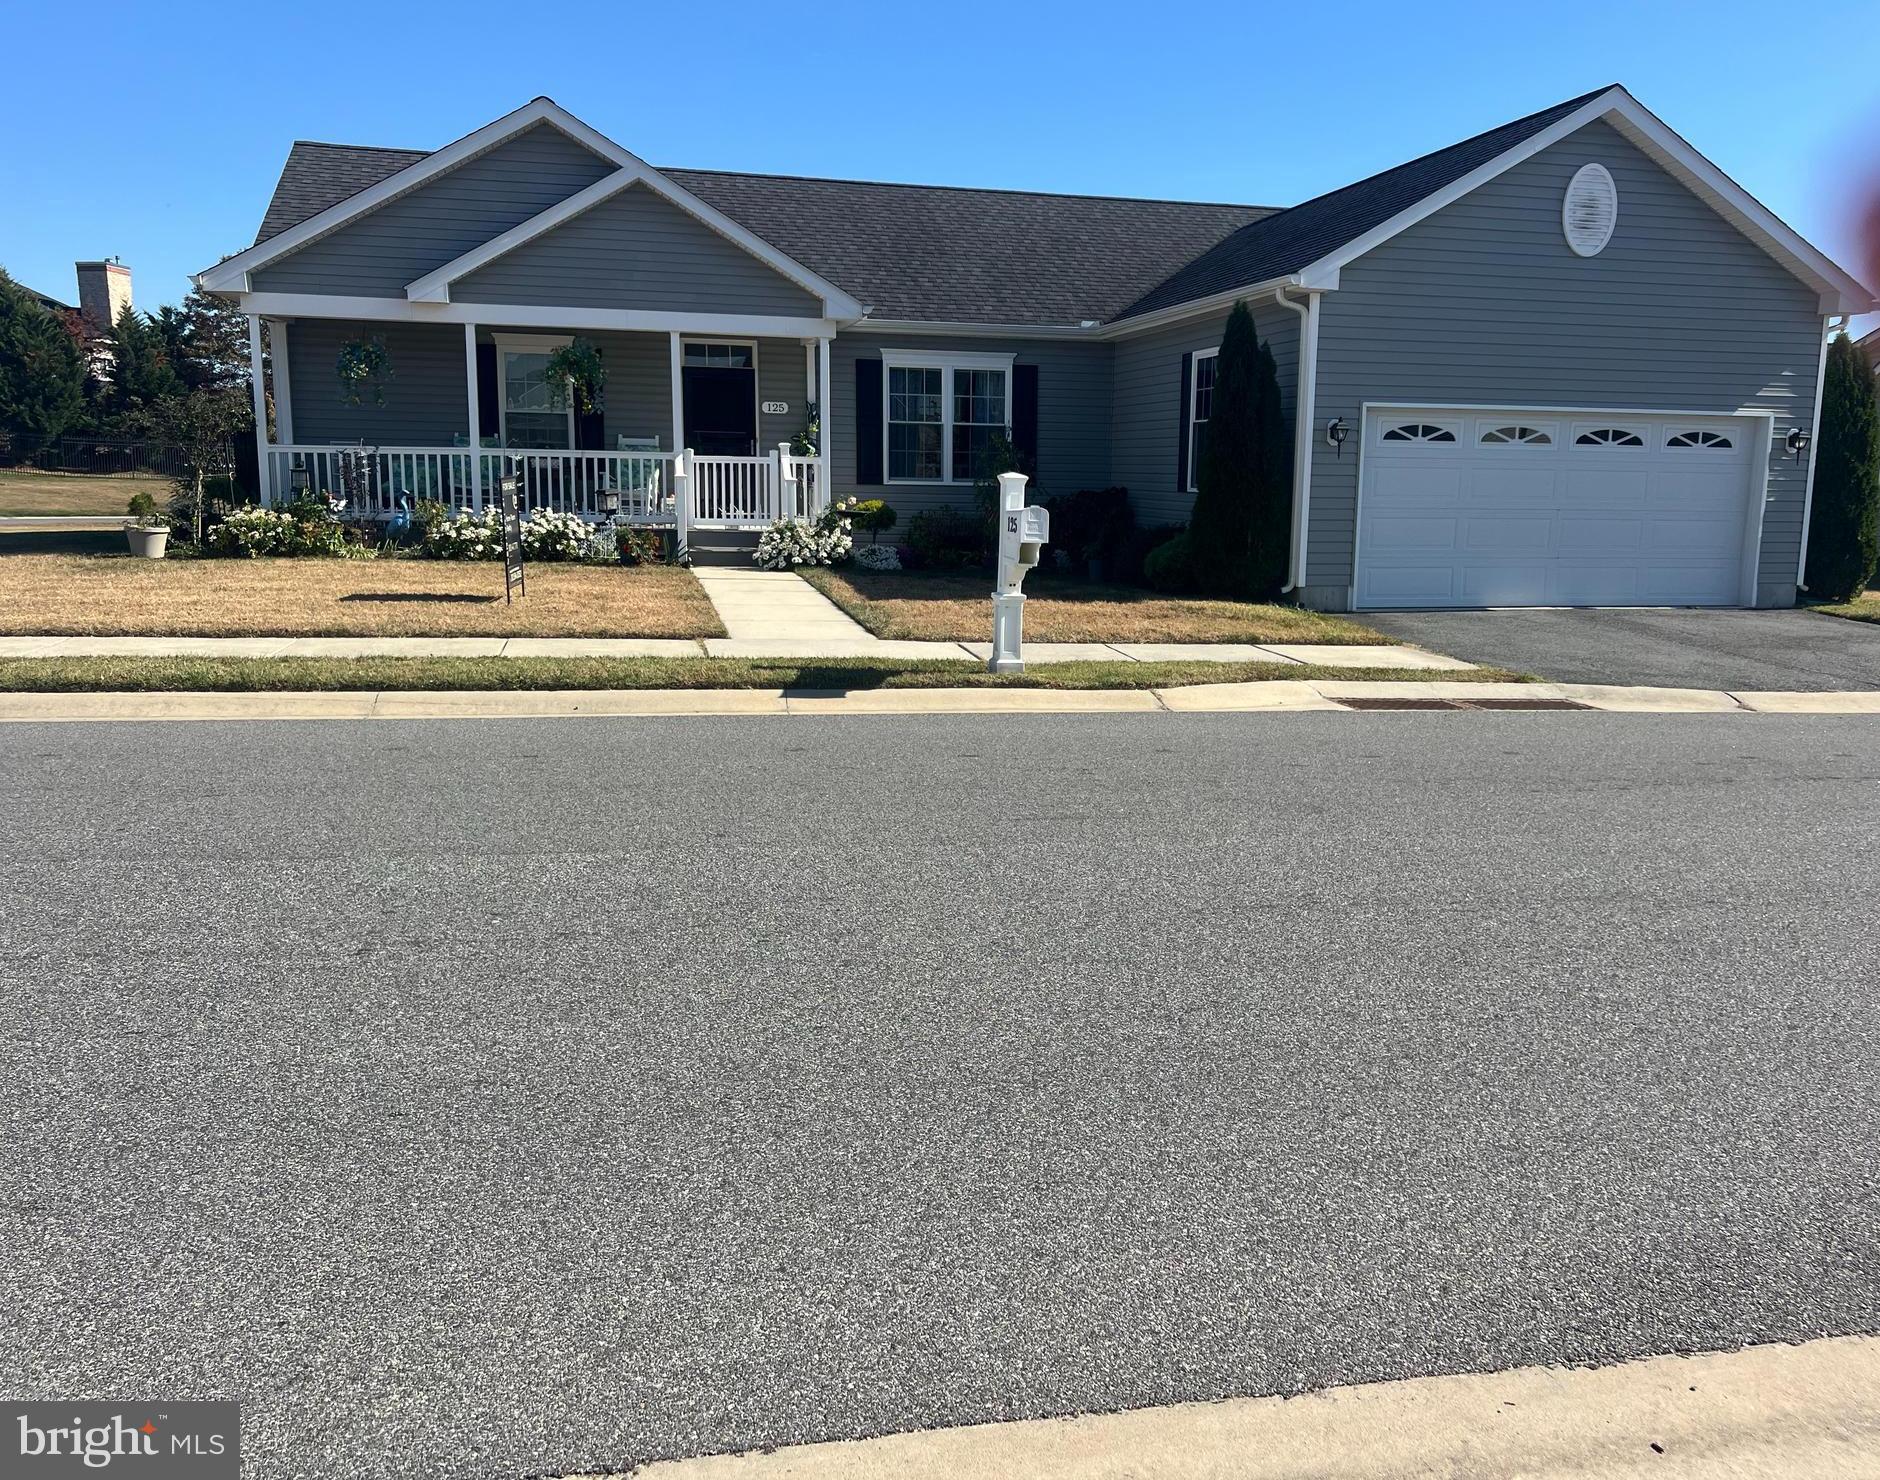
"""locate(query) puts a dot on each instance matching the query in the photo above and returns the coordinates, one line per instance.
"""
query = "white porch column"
(264, 475)
(476, 417)
(678, 395)
(283, 383)
(809, 372)
(826, 409)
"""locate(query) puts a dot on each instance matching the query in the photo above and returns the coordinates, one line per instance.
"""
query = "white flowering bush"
(466, 536)
(878, 557)
(548, 534)
(823, 541)
(255, 531)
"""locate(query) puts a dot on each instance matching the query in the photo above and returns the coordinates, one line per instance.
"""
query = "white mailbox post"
(1024, 529)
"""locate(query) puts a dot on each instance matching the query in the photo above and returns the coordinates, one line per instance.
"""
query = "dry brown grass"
(947, 607)
(104, 595)
(27, 491)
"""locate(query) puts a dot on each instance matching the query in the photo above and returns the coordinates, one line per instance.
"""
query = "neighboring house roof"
(48, 302)
(1290, 240)
(1869, 345)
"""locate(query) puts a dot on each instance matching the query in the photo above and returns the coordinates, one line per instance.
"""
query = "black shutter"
(1025, 417)
(590, 427)
(1181, 447)
(867, 421)
(489, 392)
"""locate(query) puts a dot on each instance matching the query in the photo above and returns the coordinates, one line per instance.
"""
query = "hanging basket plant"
(364, 367)
(576, 370)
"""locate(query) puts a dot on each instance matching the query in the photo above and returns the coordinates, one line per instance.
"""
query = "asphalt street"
(525, 1097)
(1670, 647)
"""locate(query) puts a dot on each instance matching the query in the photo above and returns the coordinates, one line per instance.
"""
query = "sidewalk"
(831, 642)
(1775, 1411)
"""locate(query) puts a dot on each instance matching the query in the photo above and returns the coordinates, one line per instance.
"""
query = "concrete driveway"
(1676, 647)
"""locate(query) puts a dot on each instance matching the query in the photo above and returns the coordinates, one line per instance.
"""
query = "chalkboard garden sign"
(513, 581)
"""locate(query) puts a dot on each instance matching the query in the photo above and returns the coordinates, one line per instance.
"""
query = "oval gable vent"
(1590, 211)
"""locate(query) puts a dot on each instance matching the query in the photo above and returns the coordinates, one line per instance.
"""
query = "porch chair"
(637, 479)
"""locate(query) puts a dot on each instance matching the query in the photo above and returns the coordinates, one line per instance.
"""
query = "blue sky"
(155, 131)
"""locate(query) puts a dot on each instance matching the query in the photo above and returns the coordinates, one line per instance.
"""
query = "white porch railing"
(687, 490)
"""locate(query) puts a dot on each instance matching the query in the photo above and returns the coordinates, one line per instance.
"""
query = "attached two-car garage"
(1566, 508)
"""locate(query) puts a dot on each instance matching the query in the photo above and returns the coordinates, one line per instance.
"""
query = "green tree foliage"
(205, 341)
(1843, 534)
(140, 373)
(42, 374)
(1235, 544)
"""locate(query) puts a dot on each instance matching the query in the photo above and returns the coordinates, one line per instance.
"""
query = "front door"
(719, 385)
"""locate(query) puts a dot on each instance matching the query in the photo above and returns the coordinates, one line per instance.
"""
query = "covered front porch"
(694, 427)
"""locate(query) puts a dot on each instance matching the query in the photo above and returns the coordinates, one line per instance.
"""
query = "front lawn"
(29, 491)
(301, 675)
(98, 595)
(1863, 608)
(955, 607)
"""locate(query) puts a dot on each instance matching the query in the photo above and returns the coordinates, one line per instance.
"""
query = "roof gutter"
(1305, 417)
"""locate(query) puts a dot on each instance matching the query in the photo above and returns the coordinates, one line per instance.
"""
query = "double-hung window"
(534, 413)
(942, 411)
(1200, 408)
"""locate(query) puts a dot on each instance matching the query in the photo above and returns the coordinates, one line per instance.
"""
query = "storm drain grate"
(1391, 703)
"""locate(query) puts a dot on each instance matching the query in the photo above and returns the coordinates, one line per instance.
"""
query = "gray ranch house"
(1566, 362)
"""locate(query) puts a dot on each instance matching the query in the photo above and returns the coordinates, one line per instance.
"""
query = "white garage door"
(1522, 508)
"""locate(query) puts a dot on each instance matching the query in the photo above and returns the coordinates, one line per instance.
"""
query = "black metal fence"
(120, 457)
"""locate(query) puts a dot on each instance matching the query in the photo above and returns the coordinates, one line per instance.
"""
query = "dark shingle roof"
(1290, 240)
(953, 254)
(320, 175)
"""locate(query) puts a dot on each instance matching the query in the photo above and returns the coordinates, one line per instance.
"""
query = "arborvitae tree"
(42, 375)
(1843, 536)
(1227, 482)
(140, 374)
(1272, 513)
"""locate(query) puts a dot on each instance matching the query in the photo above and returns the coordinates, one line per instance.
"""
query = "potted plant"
(148, 533)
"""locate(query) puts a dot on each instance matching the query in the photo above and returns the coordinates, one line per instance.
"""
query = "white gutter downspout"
(1304, 417)
(1830, 329)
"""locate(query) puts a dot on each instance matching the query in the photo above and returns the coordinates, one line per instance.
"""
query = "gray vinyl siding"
(637, 251)
(426, 400)
(1073, 409)
(1145, 416)
(378, 254)
(1482, 303)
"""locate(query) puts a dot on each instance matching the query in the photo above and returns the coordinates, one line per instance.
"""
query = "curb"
(1275, 696)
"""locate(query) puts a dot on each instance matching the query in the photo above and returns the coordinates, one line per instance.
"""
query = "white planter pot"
(147, 541)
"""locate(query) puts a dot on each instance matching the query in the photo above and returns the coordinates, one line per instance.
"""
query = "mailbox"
(1024, 530)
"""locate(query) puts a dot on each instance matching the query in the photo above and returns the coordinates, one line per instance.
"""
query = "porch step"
(723, 546)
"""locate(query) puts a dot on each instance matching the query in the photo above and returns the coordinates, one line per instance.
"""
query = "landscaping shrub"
(636, 546)
(1126, 566)
(874, 518)
(1843, 533)
(1169, 568)
(824, 540)
(550, 535)
(878, 557)
(946, 539)
(1236, 540)
(299, 529)
(466, 536)
(1092, 527)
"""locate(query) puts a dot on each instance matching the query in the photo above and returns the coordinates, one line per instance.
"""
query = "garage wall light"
(1335, 433)
(1797, 442)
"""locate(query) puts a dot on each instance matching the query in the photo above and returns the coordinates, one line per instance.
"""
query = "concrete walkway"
(843, 645)
(1273, 696)
(776, 604)
(1775, 1411)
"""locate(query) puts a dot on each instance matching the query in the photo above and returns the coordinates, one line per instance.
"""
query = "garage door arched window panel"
(1418, 431)
(1517, 436)
(1609, 437)
(1699, 439)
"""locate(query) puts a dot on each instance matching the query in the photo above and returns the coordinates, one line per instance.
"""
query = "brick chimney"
(104, 292)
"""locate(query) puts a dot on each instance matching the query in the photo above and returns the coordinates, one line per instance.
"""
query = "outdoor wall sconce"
(609, 502)
(1335, 433)
(1797, 442)
(299, 479)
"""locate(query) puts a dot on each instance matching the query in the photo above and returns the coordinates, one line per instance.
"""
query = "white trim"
(1639, 125)
(1214, 303)
(946, 362)
(825, 409)
(474, 426)
(231, 274)
(1756, 494)
(757, 404)
(258, 389)
(1814, 436)
(1305, 442)
(1195, 357)
(283, 382)
(975, 330)
(524, 344)
(678, 400)
(531, 316)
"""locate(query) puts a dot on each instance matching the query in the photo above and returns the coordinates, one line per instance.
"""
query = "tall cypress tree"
(1227, 482)
(1844, 527)
(140, 373)
(1272, 514)
(42, 376)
